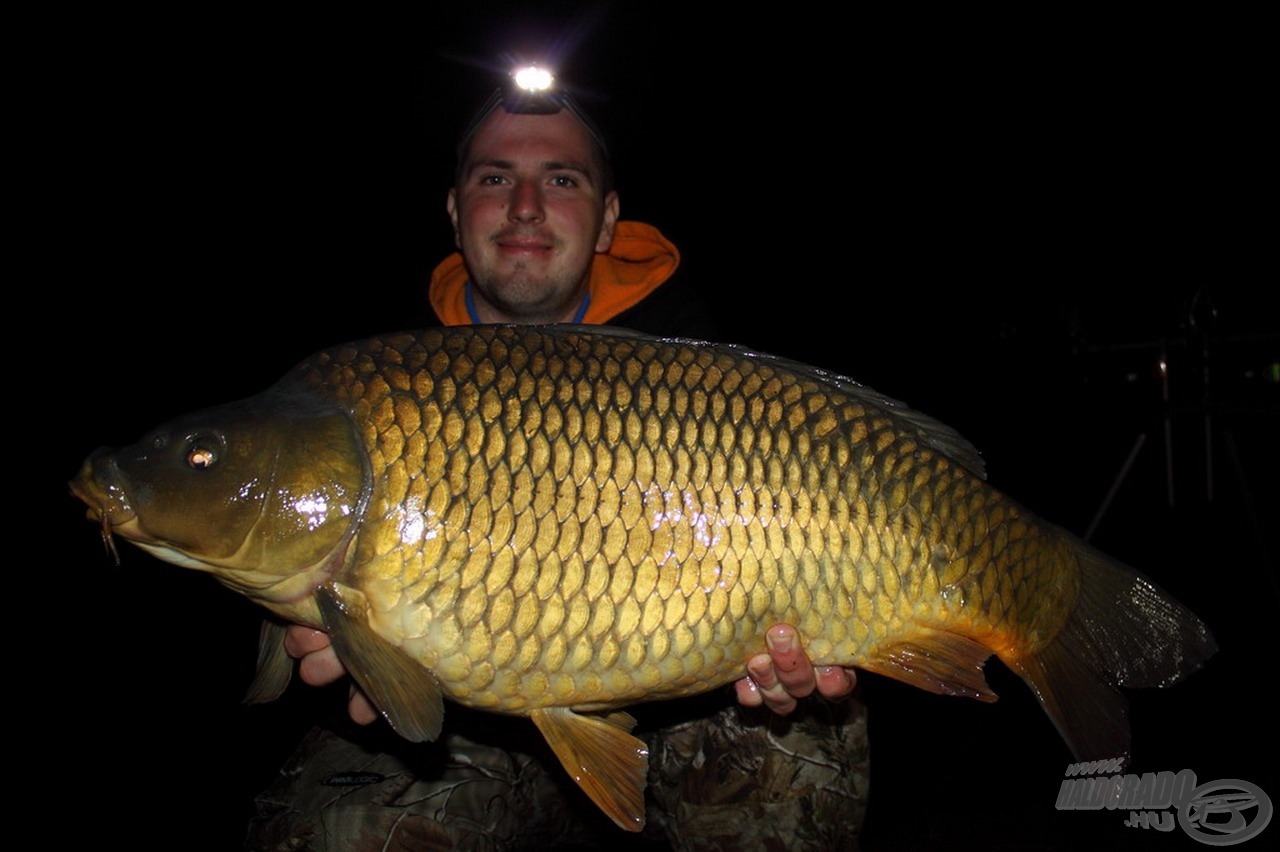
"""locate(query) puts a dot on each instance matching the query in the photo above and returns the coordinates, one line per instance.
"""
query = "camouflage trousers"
(721, 778)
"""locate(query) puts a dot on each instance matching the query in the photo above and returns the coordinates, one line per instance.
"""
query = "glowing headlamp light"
(533, 78)
(532, 90)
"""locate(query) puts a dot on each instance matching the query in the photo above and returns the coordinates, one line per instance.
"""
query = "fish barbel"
(561, 521)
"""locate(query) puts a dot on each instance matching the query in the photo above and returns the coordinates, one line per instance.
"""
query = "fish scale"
(560, 405)
(563, 521)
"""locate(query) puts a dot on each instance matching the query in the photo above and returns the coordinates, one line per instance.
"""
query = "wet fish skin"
(563, 521)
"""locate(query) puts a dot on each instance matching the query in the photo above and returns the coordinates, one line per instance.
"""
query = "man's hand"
(778, 678)
(318, 665)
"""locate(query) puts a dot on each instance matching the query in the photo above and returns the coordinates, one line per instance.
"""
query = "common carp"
(562, 521)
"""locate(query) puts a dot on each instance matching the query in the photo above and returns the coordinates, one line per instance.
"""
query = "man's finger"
(359, 707)
(300, 641)
(748, 692)
(771, 691)
(322, 667)
(790, 663)
(835, 682)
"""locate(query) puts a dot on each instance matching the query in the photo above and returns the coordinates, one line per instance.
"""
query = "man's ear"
(609, 220)
(451, 204)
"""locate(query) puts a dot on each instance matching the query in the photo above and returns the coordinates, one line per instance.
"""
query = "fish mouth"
(96, 485)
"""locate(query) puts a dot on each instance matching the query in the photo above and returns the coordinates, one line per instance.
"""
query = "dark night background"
(1002, 221)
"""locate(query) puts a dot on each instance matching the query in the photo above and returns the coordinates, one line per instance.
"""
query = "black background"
(1005, 222)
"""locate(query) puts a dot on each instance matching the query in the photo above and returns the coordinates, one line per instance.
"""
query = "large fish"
(561, 521)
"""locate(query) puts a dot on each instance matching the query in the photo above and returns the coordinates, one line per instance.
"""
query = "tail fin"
(1124, 631)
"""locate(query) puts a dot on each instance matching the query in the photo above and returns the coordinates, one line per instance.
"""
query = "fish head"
(264, 493)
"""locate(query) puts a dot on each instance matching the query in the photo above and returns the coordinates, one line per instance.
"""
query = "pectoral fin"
(600, 754)
(405, 693)
(275, 666)
(945, 663)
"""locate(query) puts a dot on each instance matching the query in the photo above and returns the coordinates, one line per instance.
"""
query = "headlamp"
(532, 90)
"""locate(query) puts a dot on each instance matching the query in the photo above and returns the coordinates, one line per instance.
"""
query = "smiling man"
(530, 210)
(536, 221)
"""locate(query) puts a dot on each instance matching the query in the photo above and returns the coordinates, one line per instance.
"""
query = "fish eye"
(203, 451)
(200, 457)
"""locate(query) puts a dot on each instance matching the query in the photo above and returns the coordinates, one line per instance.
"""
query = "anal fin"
(602, 756)
(936, 661)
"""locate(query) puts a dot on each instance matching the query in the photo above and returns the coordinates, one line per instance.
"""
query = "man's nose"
(526, 202)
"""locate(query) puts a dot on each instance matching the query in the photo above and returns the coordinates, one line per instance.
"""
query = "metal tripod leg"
(1115, 486)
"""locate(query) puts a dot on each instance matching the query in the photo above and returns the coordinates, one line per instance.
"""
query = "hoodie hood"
(637, 263)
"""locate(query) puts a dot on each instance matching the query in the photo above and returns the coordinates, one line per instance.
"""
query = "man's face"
(529, 214)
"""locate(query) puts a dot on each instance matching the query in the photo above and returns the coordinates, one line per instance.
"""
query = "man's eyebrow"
(489, 163)
(570, 166)
(546, 166)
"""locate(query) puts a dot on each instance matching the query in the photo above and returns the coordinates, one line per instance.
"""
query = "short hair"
(525, 103)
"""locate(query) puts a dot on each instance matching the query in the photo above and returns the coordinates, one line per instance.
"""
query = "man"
(536, 221)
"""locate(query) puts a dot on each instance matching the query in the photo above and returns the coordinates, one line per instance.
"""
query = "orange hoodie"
(637, 263)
